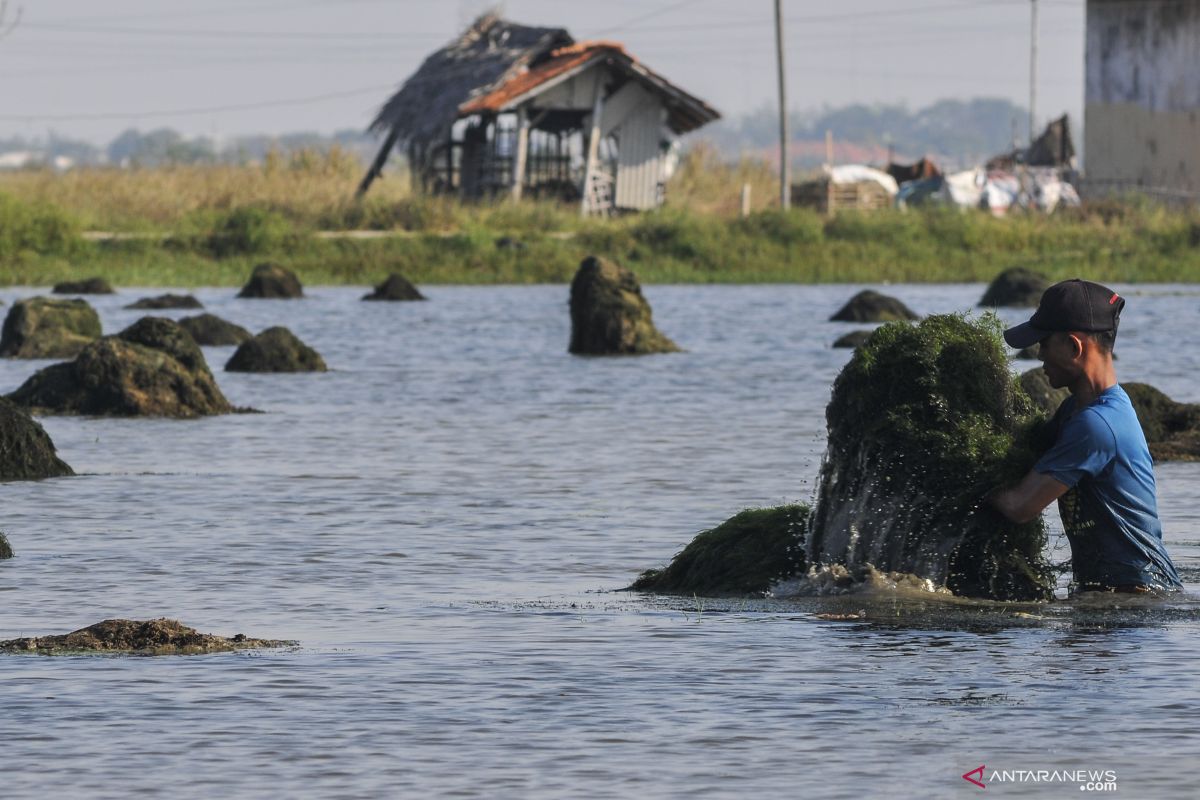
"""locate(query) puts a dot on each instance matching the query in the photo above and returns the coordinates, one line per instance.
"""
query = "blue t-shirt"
(1110, 513)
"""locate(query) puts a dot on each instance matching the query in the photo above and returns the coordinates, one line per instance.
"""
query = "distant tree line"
(954, 132)
(962, 132)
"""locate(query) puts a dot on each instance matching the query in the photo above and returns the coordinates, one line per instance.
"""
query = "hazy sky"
(92, 68)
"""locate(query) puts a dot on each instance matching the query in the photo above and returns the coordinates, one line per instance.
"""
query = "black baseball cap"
(1074, 305)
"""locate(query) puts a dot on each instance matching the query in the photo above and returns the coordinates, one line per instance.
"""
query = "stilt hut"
(513, 110)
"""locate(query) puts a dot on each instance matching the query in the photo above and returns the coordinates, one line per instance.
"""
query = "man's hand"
(1025, 501)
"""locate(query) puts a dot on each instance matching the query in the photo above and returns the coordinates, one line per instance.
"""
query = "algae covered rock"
(1044, 396)
(396, 287)
(1172, 429)
(271, 281)
(609, 315)
(852, 339)
(871, 306)
(211, 330)
(924, 420)
(48, 327)
(87, 286)
(1015, 287)
(275, 350)
(747, 554)
(26, 452)
(166, 301)
(152, 368)
(156, 637)
(6, 550)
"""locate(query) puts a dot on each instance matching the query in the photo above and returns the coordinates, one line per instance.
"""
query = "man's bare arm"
(1024, 501)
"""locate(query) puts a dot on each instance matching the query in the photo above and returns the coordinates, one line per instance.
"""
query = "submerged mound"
(275, 350)
(167, 301)
(271, 281)
(156, 637)
(48, 327)
(1015, 287)
(924, 421)
(152, 368)
(26, 452)
(1172, 429)
(609, 315)
(88, 286)
(853, 339)
(396, 287)
(212, 331)
(746, 554)
(871, 306)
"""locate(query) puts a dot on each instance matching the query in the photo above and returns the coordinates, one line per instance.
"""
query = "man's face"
(1062, 358)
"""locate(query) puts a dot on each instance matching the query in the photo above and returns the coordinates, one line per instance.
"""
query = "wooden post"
(377, 165)
(785, 167)
(593, 150)
(745, 200)
(522, 154)
(1033, 44)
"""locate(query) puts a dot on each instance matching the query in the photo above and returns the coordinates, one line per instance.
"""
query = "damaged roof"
(488, 53)
(497, 65)
(685, 112)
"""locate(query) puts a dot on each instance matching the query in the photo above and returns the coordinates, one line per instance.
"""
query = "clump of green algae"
(746, 554)
(923, 421)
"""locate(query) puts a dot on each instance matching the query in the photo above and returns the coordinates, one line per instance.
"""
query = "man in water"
(1099, 468)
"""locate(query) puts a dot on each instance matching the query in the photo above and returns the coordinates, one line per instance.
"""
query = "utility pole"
(785, 170)
(1033, 43)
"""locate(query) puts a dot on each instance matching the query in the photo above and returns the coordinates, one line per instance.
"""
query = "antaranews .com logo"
(1089, 780)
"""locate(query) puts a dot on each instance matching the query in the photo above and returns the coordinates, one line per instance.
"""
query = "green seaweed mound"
(609, 314)
(924, 420)
(746, 554)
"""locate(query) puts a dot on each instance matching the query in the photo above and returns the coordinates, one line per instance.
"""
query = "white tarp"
(963, 189)
(858, 173)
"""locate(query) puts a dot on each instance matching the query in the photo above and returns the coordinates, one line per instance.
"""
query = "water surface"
(442, 521)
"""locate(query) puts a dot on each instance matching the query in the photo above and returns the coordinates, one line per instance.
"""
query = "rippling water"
(442, 520)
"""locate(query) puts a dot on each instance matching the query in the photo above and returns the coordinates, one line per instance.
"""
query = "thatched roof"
(491, 51)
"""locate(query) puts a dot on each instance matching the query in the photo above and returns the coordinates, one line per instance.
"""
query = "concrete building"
(1142, 102)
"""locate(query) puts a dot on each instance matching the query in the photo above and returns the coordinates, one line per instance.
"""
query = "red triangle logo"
(977, 771)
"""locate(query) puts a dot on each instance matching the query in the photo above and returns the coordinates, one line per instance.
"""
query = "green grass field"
(211, 225)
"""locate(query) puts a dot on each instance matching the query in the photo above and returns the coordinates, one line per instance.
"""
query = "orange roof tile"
(562, 60)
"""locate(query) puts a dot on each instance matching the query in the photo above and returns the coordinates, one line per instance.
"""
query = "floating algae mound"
(923, 421)
(152, 368)
(852, 339)
(395, 288)
(1015, 287)
(271, 281)
(275, 350)
(210, 330)
(166, 301)
(156, 637)
(871, 306)
(48, 327)
(609, 315)
(26, 452)
(87, 286)
(746, 554)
